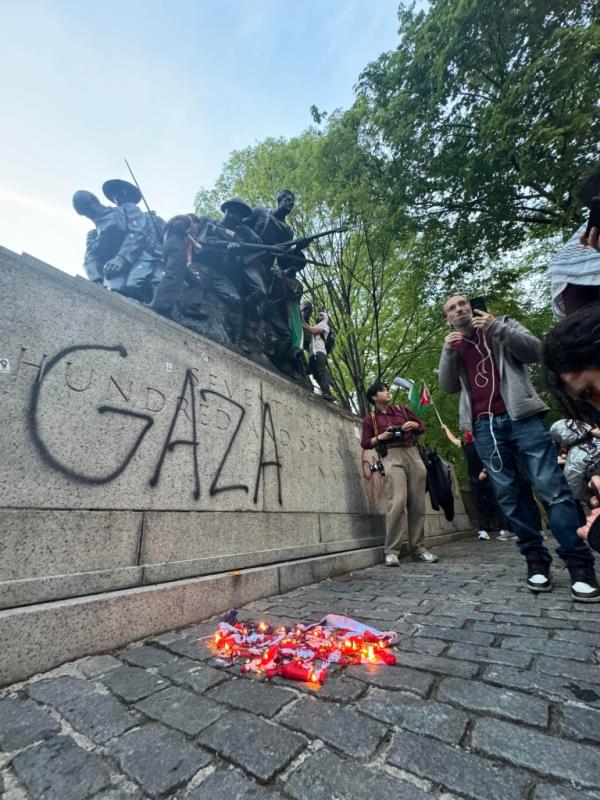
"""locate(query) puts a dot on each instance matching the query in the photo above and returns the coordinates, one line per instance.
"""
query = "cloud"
(35, 205)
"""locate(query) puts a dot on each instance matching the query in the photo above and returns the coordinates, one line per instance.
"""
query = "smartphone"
(478, 304)
(594, 218)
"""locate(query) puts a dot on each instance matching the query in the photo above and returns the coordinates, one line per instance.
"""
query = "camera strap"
(374, 423)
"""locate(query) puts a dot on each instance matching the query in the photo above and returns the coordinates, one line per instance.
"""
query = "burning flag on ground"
(301, 653)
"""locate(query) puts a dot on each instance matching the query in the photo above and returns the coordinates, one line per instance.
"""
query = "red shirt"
(395, 415)
(477, 356)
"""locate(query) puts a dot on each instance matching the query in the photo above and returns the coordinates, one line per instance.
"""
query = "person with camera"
(393, 431)
(485, 360)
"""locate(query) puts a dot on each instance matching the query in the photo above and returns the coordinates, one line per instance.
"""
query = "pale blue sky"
(172, 86)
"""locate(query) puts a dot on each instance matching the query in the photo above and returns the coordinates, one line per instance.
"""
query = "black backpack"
(330, 340)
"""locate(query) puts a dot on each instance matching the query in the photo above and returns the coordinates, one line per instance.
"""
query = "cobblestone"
(558, 649)
(456, 769)
(147, 656)
(495, 696)
(22, 723)
(578, 637)
(193, 675)
(535, 622)
(60, 770)
(420, 644)
(57, 691)
(490, 654)
(569, 669)
(119, 794)
(480, 697)
(337, 687)
(227, 785)
(456, 635)
(258, 747)
(549, 685)
(181, 709)
(250, 695)
(410, 680)
(191, 648)
(447, 666)
(343, 728)
(97, 665)
(508, 629)
(100, 717)
(324, 776)
(545, 792)
(157, 758)
(420, 716)
(580, 722)
(537, 751)
(132, 683)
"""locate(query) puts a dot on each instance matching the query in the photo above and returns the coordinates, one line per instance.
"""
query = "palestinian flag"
(418, 400)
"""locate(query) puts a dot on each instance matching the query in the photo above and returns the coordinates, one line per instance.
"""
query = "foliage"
(372, 287)
(488, 116)
(455, 168)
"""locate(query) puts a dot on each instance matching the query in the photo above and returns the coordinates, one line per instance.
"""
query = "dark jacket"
(439, 484)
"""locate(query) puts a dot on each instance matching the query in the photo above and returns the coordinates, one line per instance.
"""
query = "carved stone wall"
(134, 452)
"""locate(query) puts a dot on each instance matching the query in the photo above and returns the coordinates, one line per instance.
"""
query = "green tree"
(372, 287)
(455, 169)
(487, 117)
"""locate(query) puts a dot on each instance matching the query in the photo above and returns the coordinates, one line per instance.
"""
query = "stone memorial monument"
(151, 477)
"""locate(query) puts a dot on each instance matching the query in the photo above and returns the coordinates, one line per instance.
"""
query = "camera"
(397, 431)
(377, 466)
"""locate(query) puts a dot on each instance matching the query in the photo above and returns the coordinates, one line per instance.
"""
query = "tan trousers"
(404, 482)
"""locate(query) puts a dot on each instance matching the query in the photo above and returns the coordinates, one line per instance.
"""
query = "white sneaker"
(391, 560)
(506, 536)
(427, 557)
(483, 535)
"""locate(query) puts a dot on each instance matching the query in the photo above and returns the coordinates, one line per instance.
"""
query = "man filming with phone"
(393, 431)
(485, 359)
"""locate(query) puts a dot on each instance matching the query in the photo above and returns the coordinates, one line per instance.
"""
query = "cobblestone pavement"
(496, 696)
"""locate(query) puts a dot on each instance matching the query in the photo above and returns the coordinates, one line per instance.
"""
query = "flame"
(277, 650)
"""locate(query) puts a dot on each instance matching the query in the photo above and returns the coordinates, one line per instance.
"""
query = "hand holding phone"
(591, 236)
(482, 320)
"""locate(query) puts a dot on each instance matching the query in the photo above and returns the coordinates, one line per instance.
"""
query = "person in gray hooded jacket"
(485, 359)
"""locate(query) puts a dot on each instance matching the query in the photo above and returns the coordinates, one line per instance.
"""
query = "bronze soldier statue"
(119, 251)
(284, 335)
(185, 293)
(149, 268)
(122, 251)
(206, 276)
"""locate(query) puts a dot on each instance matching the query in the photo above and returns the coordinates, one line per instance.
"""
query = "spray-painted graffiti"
(186, 405)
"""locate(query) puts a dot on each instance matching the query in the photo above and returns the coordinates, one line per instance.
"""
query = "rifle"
(154, 222)
(300, 244)
(254, 249)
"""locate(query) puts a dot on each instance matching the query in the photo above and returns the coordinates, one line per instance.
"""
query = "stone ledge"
(39, 637)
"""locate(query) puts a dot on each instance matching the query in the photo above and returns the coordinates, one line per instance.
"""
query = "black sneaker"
(584, 584)
(538, 575)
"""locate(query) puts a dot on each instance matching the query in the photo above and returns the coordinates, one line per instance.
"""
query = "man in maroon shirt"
(485, 359)
(393, 430)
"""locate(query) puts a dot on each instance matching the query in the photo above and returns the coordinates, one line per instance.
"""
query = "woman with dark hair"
(571, 358)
